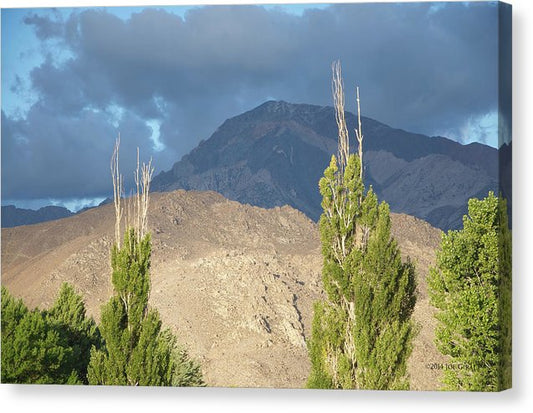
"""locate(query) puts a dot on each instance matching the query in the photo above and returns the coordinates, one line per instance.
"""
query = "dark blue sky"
(168, 77)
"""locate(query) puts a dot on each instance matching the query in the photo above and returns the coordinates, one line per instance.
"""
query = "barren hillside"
(235, 282)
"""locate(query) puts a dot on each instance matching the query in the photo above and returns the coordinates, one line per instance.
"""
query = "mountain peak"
(278, 110)
(276, 153)
(281, 106)
(276, 105)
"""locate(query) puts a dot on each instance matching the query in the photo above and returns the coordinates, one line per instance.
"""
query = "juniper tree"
(362, 333)
(471, 288)
(137, 350)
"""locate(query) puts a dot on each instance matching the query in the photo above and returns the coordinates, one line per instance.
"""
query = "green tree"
(137, 351)
(13, 311)
(46, 346)
(188, 372)
(80, 332)
(362, 333)
(34, 350)
(471, 288)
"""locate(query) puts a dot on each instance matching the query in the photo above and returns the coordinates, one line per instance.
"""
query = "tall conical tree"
(362, 333)
(137, 351)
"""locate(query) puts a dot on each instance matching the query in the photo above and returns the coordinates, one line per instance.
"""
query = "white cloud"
(155, 125)
(480, 128)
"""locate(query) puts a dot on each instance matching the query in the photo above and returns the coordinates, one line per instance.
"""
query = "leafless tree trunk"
(143, 177)
(337, 88)
(359, 134)
(137, 205)
(117, 190)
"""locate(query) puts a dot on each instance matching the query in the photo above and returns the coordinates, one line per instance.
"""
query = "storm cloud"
(424, 67)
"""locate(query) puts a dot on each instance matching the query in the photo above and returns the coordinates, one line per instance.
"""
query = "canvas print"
(279, 196)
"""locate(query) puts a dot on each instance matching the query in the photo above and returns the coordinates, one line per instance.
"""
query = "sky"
(166, 77)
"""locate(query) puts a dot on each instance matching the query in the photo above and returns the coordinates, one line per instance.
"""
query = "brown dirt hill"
(235, 282)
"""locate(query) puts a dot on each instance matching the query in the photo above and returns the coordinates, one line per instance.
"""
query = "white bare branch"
(359, 134)
(136, 205)
(337, 87)
(117, 190)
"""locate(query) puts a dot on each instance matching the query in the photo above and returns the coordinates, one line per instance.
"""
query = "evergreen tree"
(34, 349)
(362, 333)
(188, 371)
(69, 315)
(13, 311)
(471, 288)
(46, 346)
(137, 351)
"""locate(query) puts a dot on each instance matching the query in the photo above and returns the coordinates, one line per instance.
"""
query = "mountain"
(276, 153)
(13, 216)
(236, 283)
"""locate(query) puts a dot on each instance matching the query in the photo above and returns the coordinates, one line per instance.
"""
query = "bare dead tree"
(130, 210)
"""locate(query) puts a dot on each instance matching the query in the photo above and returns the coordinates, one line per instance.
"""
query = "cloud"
(420, 68)
(46, 27)
(480, 128)
(51, 156)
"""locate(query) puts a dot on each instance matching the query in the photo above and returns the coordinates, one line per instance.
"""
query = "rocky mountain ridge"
(276, 153)
(13, 216)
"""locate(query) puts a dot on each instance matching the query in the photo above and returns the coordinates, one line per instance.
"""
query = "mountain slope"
(275, 154)
(236, 282)
(13, 216)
